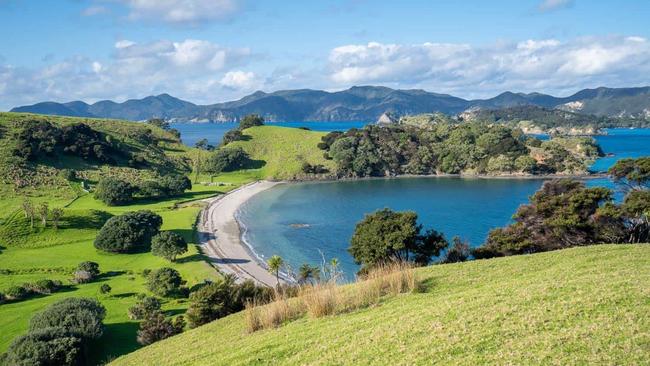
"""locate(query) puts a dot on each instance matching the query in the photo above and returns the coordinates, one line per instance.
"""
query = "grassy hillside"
(283, 151)
(584, 305)
(28, 255)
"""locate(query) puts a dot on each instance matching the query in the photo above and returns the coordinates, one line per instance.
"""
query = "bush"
(174, 185)
(47, 346)
(16, 293)
(144, 308)
(157, 327)
(164, 282)
(44, 286)
(80, 316)
(231, 136)
(114, 192)
(105, 289)
(128, 233)
(91, 267)
(68, 174)
(313, 169)
(251, 120)
(226, 160)
(168, 245)
(458, 252)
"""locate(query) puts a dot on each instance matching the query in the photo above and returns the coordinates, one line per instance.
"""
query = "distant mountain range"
(359, 103)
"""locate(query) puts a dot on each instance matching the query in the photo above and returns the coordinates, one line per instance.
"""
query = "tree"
(232, 136)
(80, 316)
(43, 211)
(251, 120)
(30, 212)
(275, 264)
(168, 245)
(387, 235)
(56, 214)
(144, 308)
(308, 273)
(634, 173)
(114, 192)
(212, 301)
(159, 122)
(164, 282)
(525, 164)
(174, 185)
(86, 272)
(156, 327)
(128, 233)
(105, 289)
(46, 346)
(226, 160)
(458, 252)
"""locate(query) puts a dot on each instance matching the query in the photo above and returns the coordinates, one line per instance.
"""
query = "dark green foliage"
(203, 145)
(80, 316)
(91, 267)
(217, 299)
(381, 151)
(144, 308)
(156, 327)
(458, 252)
(38, 138)
(44, 286)
(47, 346)
(164, 282)
(542, 117)
(308, 273)
(128, 233)
(105, 289)
(114, 192)
(168, 245)
(232, 135)
(165, 186)
(387, 235)
(16, 293)
(159, 122)
(68, 174)
(635, 173)
(313, 169)
(251, 120)
(226, 160)
(41, 138)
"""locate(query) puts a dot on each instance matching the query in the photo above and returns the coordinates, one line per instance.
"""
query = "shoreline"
(220, 235)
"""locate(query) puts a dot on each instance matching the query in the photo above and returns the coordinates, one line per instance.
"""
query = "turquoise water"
(301, 221)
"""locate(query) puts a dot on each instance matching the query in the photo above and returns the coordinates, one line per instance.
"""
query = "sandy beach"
(220, 235)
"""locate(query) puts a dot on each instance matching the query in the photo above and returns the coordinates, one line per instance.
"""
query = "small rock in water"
(298, 226)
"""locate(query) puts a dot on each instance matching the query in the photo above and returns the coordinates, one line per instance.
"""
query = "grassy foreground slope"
(283, 151)
(586, 305)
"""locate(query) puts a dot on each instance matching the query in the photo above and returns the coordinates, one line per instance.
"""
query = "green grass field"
(579, 306)
(45, 253)
(283, 151)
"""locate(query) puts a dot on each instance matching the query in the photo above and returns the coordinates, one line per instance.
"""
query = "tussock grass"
(323, 299)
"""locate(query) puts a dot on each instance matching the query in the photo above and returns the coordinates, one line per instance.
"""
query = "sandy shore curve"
(220, 235)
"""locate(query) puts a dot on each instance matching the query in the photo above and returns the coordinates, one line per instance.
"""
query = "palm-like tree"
(275, 263)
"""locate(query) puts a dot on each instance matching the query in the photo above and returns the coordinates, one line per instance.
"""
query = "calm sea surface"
(305, 222)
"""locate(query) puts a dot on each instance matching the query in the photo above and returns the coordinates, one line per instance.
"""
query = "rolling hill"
(359, 103)
(576, 306)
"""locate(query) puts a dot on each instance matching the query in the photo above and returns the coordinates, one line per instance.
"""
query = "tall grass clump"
(328, 298)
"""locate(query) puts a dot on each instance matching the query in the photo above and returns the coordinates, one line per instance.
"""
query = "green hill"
(585, 305)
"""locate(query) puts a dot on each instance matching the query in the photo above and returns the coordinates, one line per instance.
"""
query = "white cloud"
(240, 80)
(183, 12)
(542, 65)
(550, 5)
(95, 10)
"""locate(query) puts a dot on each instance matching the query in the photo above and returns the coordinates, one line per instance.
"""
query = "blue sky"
(207, 51)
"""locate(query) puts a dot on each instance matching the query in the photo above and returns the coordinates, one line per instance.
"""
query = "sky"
(209, 51)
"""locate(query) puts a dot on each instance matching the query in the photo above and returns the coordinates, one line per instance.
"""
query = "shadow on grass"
(190, 258)
(124, 295)
(427, 285)
(93, 220)
(173, 312)
(187, 196)
(109, 274)
(118, 339)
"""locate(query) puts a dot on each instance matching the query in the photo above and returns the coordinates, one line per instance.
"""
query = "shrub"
(46, 346)
(44, 286)
(458, 252)
(156, 327)
(164, 282)
(68, 174)
(105, 289)
(251, 120)
(91, 267)
(114, 192)
(226, 160)
(81, 316)
(144, 308)
(168, 245)
(175, 185)
(127, 233)
(16, 293)
(320, 299)
(387, 235)
(3, 298)
(231, 136)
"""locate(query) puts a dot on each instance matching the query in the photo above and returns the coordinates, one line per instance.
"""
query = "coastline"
(220, 235)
